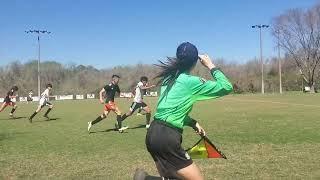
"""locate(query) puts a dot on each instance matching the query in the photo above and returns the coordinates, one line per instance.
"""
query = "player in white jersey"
(44, 101)
(138, 100)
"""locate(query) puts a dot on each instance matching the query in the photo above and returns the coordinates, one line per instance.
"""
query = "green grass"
(264, 137)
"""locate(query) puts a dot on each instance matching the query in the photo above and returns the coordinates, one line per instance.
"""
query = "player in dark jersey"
(8, 100)
(110, 91)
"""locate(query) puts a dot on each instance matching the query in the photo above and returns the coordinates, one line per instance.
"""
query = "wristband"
(214, 69)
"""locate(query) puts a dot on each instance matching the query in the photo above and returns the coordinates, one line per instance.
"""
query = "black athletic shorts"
(164, 144)
(134, 106)
(45, 103)
(7, 100)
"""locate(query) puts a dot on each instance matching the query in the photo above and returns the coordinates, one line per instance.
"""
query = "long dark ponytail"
(186, 58)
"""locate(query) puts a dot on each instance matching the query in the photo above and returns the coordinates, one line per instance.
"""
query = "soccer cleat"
(89, 126)
(11, 115)
(140, 175)
(139, 114)
(121, 130)
(147, 126)
(46, 116)
(30, 120)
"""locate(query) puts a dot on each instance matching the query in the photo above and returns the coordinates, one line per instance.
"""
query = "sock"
(119, 120)
(124, 117)
(148, 116)
(32, 116)
(96, 120)
(46, 114)
(13, 109)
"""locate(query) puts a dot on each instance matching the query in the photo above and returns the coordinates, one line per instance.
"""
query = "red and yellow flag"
(204, 148)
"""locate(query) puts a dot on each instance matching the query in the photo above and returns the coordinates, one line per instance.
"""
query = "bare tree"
(299, 35)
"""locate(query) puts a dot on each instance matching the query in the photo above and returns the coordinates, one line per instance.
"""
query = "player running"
(8, 100)
(44, 101)
(179, 91)
(140, 113)
(138, 102)
(29, 98)
(110, 91)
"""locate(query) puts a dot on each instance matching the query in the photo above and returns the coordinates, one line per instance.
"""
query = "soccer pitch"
(263, 137)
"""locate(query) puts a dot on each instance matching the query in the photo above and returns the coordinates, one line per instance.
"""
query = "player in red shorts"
(8, 100)
(110, 91)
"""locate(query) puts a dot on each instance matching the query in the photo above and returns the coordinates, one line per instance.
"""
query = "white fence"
(126, 95)
(22, 99)
(90, 96)
(77, 97)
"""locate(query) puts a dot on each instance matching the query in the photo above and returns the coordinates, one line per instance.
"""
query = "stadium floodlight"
(261, 26)
(279, 62)
(38, 32)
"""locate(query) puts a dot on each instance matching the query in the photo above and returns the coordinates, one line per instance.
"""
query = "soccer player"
(179, 91)
(8, 100)
(44, 101)
(138, 101)
(139, 113)
(29, 98)
(110, 91)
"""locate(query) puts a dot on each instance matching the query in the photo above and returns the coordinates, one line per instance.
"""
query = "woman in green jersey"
(179, 91)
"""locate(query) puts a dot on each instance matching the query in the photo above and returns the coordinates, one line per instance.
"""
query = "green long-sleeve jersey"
(175, 105)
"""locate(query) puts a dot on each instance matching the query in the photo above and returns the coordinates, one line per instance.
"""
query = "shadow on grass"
(13, 118)
(50, 119)
(107, 130)
(140, 126)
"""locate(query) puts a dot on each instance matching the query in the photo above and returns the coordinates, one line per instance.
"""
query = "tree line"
(80, 79)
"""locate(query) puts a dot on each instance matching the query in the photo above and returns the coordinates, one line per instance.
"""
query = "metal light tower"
(261, 57)
(38, 32)
(279, 61)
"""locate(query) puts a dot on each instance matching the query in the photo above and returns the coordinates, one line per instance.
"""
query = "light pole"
(38, 32)
(261, 57)
(279, 61)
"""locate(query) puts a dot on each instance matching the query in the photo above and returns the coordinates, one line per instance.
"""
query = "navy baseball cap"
(187, 52)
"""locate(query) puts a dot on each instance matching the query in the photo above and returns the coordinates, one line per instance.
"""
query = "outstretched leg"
(148, 116)
(134, 106)
(118, 125)
(48, 111)
(98, 119)
(3, 106)
(35, 113)
(126, 115)
(13, 109)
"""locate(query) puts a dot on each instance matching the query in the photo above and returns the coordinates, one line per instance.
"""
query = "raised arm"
(147, 87)
(219, 86)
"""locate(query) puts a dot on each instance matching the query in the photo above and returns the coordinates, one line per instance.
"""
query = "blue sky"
(106, 33)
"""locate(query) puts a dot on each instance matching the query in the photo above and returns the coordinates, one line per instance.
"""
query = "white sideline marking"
(274, 102)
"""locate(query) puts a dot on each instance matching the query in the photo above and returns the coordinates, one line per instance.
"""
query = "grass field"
(264, 137)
